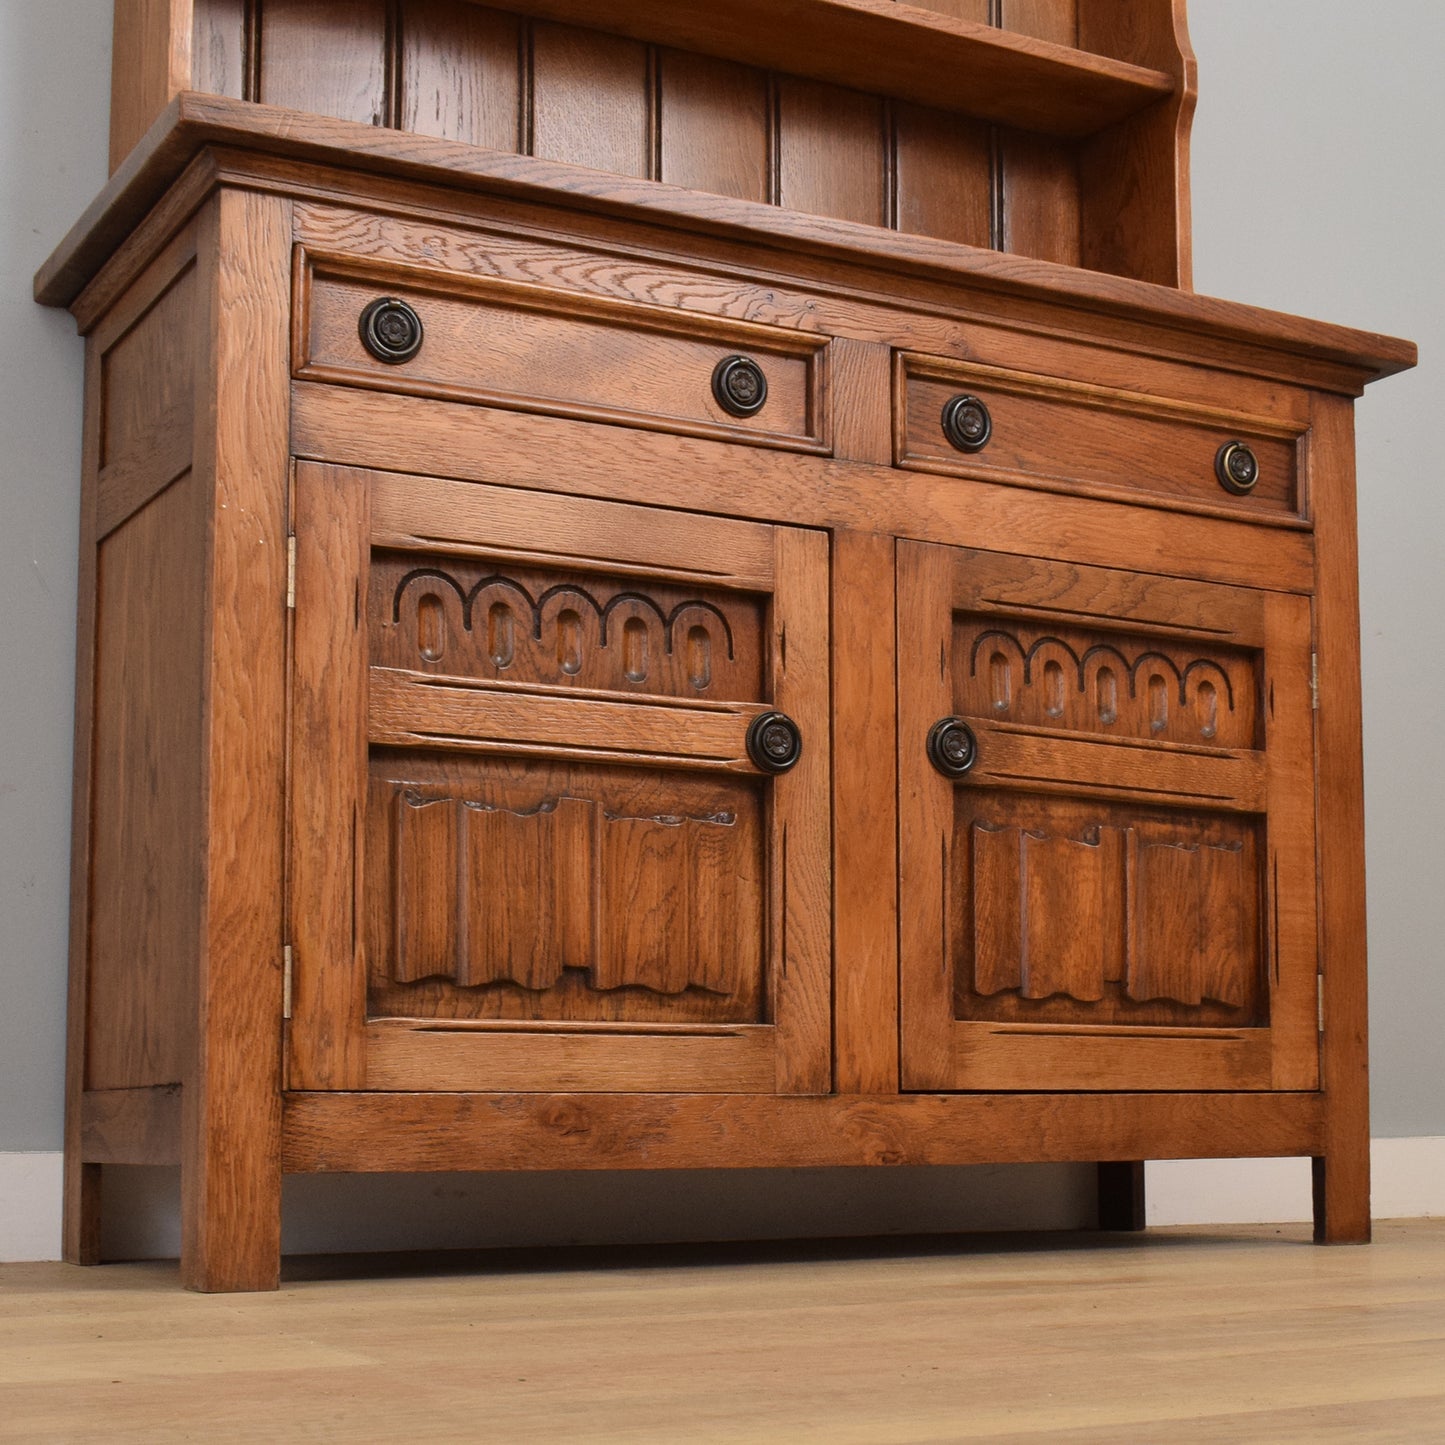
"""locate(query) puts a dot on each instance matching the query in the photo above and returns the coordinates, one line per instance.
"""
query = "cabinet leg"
(1121, 1194)
(1342, 1198)
(231, 1195)
(81, 1228)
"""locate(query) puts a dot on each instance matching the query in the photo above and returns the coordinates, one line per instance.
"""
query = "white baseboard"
(326, 1213)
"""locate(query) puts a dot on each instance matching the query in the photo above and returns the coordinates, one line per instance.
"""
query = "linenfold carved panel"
(460, 617)
(1079, 912)
(518, 890)
(1112, 684)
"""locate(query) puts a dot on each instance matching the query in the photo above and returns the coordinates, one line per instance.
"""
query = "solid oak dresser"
(669, 587)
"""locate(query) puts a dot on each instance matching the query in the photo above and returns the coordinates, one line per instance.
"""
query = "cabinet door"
(1120, 893)
(530, 848)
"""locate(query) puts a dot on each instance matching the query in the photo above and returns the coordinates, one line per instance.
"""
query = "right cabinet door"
(1119, 892)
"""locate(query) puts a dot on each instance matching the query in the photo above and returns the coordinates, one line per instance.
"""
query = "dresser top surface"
(194, 123)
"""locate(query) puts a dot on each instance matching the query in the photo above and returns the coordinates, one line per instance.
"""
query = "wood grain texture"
(714, 126)
(219, 63)
(399, 433)
(865, 899)
(379, 1131)
(325, 1045)
(592, 100)
(941, 1315)
(1134, 176)
(898, 50)
(80, 1222)
(1097, 440)
(326, 56)
(460, 73)
(1333, 357)
(597, 360)
(1342, 1168)
(150, 64)
(831, 152)
(230, 1184)
(131, 1126)
(943, 175)
(147, 818)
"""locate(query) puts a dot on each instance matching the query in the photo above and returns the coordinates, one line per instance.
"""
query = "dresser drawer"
(462, 338)
(1072, 436)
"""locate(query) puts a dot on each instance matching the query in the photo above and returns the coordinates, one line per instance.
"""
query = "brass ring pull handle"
(739, 386)
(967, 423)
(952, 747)
(774, 742)
(391, 331)
(1237, 468)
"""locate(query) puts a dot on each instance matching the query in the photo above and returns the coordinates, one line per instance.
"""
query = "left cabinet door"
(530, 847)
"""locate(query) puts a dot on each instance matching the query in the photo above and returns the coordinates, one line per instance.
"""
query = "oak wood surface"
(401, 433)
(425, 1132)
(901, 50)
(230, 1193)
(194, 121)
(1342, 1169)
(886, 1343)
(131, 1126)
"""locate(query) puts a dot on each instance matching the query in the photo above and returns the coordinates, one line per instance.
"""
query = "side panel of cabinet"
(531, 849)
(1120, 893)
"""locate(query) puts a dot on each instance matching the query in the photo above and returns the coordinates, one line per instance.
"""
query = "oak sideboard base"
(575, 674)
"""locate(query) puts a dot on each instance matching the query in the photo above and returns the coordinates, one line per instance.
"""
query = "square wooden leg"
(1121, 1194)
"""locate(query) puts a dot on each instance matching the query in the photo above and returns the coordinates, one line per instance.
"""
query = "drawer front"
(1071, 436)
(532, 349)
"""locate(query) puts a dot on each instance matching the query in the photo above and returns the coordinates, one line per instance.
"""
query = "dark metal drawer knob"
(739, 385)
(952, 747)
(391, 331)
(967, 423)
(1237, 468)
(774, 742)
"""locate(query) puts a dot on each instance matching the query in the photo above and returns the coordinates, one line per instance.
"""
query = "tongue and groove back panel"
(1112, 199)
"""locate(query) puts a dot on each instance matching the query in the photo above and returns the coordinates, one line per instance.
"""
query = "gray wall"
(1318, 159)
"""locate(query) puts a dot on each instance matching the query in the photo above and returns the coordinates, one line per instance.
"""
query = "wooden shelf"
(885, 47)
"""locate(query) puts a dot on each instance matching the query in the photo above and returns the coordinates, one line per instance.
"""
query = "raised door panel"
(531, 849)
(1119, 892)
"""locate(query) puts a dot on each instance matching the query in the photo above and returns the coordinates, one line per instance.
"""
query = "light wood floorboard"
(1170, 1338)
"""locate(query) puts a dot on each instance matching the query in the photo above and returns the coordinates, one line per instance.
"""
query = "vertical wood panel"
(1055, 20)
(1134, 177)
(326, 56)
(1041, 198)
(831, 152)
(865, 788)
(713, 122)
(218, 48)
(150, 62)
(80, 1235)
(1342, 1174)
(975, 10)
(460, 73)
(147, 844)
(801, 958)
(591, 102)
(929, 927)
(509, 898)
(231, 1166)
(425, 898)
(644, 917)
(944, 175)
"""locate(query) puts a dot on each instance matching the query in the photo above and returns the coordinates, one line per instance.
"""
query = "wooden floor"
(1173, 1337)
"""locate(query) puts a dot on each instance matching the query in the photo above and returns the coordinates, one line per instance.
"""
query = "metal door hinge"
(291, 572)
(1315, 681)
(287, 965)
